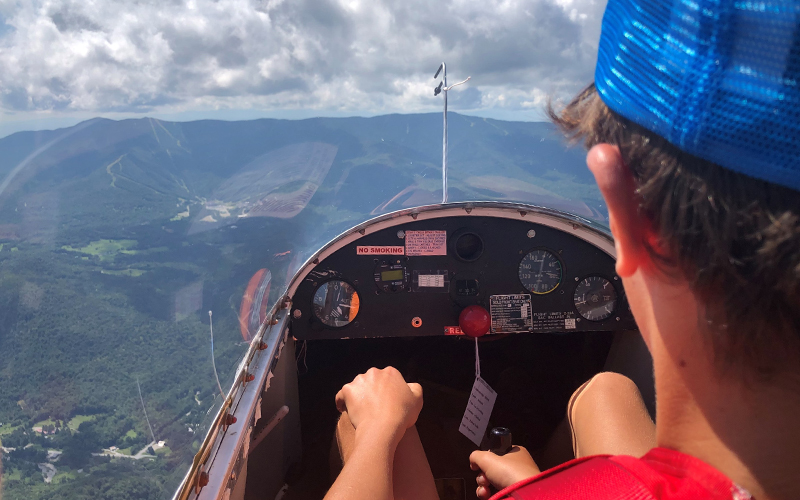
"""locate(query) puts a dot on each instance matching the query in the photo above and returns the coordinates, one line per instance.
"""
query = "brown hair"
(735, 239)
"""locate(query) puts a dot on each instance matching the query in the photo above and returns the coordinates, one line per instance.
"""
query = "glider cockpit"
(539, 283)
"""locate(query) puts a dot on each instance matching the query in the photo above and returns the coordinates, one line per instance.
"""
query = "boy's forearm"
(367, 475)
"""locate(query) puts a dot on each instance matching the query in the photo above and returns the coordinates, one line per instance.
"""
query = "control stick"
(499, 444)
(500, 441)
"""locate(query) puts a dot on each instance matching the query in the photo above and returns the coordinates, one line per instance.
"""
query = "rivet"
(297, 314)
(202, 480)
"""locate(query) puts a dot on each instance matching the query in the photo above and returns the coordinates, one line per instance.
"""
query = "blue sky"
(63, 61)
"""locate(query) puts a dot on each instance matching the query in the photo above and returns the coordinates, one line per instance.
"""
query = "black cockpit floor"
(533, 375)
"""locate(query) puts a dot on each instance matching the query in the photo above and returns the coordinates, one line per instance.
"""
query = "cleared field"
(64, 476)
(135, 273)
(45, 422)
(77, 420)
(181, 215)
(163, 451)
(13, 475)
(106, 250)
(7, 429)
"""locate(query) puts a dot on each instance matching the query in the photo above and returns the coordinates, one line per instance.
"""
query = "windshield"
(118, 238)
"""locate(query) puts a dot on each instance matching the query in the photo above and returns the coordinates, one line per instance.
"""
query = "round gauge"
(540, 272)
(336, 303)
(595, 298)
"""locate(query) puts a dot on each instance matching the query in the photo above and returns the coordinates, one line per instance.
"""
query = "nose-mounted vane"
(439, 89)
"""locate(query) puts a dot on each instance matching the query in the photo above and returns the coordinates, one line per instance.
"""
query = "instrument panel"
(415, 278)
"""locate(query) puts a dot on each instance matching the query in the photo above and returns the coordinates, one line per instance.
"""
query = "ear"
(618, 187)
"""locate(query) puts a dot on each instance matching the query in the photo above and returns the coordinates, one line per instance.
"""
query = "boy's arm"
(367, 474)
(381, 406)
(501, 471)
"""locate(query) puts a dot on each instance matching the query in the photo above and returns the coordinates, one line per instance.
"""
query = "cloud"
(336, 55)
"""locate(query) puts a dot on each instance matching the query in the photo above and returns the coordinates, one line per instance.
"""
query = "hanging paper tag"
(479, 409)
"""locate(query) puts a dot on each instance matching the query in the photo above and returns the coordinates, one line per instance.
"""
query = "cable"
(145, 411)
(213, 363)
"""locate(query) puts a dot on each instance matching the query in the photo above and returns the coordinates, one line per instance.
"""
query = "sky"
(64, 61)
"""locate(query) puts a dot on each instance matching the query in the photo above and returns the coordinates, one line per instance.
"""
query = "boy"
(694, 128)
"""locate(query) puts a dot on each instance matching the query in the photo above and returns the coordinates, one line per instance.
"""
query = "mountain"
(117, 237)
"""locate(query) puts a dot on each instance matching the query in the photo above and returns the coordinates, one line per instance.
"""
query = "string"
(213, 364)
(477, 360)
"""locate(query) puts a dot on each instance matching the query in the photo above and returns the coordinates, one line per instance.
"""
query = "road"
(138, 456)
(48, 471)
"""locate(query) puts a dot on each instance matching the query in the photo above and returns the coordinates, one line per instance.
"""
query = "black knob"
(500, 441)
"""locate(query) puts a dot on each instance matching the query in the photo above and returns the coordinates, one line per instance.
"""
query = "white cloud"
(72, 56)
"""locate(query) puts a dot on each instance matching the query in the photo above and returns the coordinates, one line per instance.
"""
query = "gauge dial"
(595, 298)
(540, 272)
(336, 303)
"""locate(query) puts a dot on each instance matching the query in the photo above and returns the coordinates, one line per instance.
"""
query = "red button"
(475, 321)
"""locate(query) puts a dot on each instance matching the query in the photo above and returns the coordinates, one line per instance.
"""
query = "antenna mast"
(443, 88)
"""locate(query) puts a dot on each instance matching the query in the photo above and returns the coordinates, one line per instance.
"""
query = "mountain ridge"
(118, 237)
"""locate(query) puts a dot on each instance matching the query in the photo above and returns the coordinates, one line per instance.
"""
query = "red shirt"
(662, 474)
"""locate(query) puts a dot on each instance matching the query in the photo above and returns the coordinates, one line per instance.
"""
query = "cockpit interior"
(543, 300)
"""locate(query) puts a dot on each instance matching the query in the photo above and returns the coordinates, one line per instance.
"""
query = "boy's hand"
(501, 471)
(382, 401)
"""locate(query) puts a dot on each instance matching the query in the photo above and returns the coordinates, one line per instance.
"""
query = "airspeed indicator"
(595, 298)
(540, 272)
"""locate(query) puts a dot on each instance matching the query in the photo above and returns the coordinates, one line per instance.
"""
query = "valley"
(118, 237)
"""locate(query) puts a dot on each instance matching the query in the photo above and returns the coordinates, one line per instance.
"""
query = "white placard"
(426, 243)
(431, 280)
(479, 409)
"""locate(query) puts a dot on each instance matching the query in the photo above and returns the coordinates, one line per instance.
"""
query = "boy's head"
(702, 100)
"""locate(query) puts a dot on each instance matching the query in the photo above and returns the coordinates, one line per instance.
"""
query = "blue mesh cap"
(720, 79)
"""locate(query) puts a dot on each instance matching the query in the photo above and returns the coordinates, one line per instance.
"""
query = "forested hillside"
(118, 237)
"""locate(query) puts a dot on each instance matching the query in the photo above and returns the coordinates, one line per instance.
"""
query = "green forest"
(117, 238)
